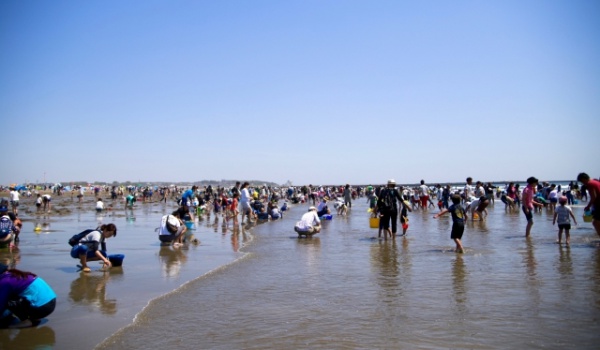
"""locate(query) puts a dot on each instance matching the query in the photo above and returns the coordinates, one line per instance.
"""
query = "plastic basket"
(116, 259)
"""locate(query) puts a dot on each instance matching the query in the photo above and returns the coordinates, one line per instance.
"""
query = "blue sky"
(320, 92)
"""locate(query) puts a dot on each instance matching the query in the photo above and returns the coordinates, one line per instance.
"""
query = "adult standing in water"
(245, 203)
(348, 196)
(593, 187)
(387, 207)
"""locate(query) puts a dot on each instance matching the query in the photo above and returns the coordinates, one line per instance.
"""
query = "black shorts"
(564, 226)
(457, 231)
(527, 212)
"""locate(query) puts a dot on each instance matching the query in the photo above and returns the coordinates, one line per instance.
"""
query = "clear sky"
(311, 91)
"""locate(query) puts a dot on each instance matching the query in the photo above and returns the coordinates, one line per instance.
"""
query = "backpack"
(386, 201)
(74, 240)
(171, 224)
(5, 226)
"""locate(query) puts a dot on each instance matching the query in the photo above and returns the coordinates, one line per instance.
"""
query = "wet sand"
(340, 289)
(92, 306)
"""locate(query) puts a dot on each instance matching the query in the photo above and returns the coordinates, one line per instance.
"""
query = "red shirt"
(593, 186)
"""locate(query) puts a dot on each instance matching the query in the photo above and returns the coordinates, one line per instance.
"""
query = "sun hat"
(391, 182)
(562, 200)
(312, 208)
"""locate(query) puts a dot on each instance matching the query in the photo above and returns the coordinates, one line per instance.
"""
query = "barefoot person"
(309, 224)
(562, 214)
(529, 203)
(459, 216)
(92, 246)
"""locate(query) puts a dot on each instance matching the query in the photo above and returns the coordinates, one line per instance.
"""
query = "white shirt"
(468, 191)
(100, 205)
(424, 190)
(479, 192)
(562, 214)
(163, 226)
(245, 198)
(14, 196)
(308, 220)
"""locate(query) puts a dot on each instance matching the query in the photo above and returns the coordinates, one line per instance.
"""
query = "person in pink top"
(593, 187)
(528, 203)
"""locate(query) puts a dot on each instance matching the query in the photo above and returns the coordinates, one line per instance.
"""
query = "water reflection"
(90, 290)
(311, 249)
(459, 275)
(596, 277)
(565, 265)
(30, 338)
(532, 283)
(42, 225)
(384, 260)
(100, 218)
(129, 215)
(172, 259)
(10, 257)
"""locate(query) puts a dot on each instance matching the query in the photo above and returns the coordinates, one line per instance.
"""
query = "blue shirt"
(458, 214)
(34, 289)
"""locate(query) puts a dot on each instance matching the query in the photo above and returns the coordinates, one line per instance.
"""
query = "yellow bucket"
(587, 217)
(374, 222)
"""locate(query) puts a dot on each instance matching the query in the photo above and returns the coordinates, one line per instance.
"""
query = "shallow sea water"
(343, 289)
(346, 289)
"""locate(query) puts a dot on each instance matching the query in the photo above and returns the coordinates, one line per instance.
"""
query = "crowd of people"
(26, 298)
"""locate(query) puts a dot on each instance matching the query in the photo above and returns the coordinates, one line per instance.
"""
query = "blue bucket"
(116, 259)
(189, 225)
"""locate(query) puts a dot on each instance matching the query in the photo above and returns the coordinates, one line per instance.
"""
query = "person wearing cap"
(24, 296)
(88, 248)
(7, 227)
(529, 203)
(322, 208)
(387, 207)
(309, 223)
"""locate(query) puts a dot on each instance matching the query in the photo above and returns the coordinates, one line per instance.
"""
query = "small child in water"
(459, 216)
(561, 214)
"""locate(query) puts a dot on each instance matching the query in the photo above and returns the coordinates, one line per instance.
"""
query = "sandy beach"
(263, 288)
(105, 301)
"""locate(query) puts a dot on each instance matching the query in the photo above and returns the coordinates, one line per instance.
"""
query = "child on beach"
(459, 216)
(529, 203)
(38, 202)
(232, 210)
(561, 215)
(404, 216)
